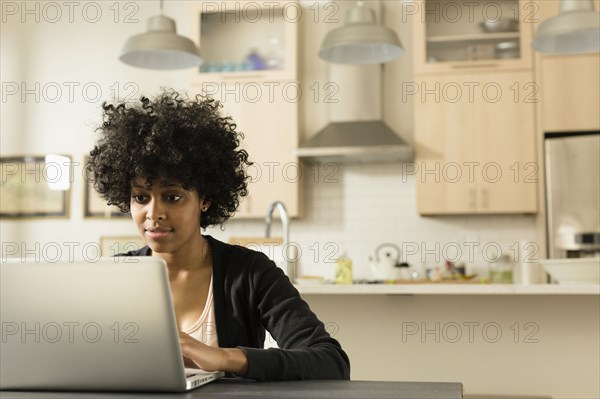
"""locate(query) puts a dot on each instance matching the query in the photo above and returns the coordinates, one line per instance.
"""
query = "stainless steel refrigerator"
(573, 194)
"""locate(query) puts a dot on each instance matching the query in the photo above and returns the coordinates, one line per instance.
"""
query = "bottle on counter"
(435, 275)
(343, 270)
(404, 272)
(502, 271)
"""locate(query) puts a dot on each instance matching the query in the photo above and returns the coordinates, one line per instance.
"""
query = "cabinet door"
(486, 132)
(444, 147)
(258, 95)
(270, 127)
(569, 95)
(245, 40)
(448, 37)
(504, 123)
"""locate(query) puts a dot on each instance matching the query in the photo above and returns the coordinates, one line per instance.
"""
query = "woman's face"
(167, 215)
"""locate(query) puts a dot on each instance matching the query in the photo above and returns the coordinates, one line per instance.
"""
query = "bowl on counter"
(499, 25)
(573, 271)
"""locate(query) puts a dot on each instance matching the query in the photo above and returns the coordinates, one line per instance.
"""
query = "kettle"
(387, 260)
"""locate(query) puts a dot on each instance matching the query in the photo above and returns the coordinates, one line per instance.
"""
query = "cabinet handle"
(472, 198)
(485, 199)
(467, 66)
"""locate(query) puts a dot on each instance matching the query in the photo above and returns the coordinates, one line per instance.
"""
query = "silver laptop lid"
(107, 325)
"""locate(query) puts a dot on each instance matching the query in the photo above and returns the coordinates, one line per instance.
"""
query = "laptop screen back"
(107, 325)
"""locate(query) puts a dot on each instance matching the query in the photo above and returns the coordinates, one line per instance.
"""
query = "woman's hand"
(209, 358)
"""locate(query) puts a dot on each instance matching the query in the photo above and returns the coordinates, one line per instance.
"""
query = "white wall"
(64, 66)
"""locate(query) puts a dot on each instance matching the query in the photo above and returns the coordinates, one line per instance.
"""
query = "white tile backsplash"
(373, 204)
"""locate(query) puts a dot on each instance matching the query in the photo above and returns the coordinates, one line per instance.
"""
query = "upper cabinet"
(451, 36)
(569, 85)
(249, 51)
(475, 97)
(270, 131)
(246, 40)
(476, 153)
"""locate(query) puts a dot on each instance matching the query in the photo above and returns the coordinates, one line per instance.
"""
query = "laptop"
(106, 325)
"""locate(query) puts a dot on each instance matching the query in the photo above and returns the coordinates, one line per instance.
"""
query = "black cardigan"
(250, 294)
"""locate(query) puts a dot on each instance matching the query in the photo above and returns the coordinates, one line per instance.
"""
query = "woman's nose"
(156, 211)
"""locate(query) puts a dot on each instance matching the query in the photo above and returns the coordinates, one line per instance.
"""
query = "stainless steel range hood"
(354, 129)
(359, 141)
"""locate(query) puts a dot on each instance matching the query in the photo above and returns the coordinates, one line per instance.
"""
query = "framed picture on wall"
(35, 186)
(111, 246)
(96, 207)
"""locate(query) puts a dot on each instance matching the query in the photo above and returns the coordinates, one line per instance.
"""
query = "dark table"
(238, 388)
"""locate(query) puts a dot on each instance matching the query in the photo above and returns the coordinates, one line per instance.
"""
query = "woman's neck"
(191, 257)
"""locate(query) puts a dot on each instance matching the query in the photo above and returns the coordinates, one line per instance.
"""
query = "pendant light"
(361, 41)
(160, 47)
(576, 30)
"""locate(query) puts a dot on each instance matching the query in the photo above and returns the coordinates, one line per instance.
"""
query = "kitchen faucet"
(285, 223)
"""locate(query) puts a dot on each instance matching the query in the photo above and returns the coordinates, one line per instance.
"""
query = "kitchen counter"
(448, 289)
(545, 344)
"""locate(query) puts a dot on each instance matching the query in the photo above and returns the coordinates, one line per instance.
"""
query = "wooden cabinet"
(475, 144)
(570, 93)
(271, 138)
(262, 102)
(246, 40)
(475, 130)
(448, 36)
(444, 139)
(505, 145)
(569, 85)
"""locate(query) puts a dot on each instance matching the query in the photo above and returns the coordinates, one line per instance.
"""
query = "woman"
(176, 165)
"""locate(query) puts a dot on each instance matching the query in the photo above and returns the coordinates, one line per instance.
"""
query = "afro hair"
(171, 139)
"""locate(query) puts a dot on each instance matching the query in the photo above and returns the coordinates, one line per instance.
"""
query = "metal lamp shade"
(161, 47)
(361, 41)
(576, 30)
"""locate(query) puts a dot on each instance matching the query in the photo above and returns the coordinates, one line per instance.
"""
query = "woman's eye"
(173, 198)
(140, 199)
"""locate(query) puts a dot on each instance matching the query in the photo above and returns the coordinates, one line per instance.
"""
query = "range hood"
(354, 129)
(356, 141)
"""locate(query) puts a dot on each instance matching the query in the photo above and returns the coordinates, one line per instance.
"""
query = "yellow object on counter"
(343, 270)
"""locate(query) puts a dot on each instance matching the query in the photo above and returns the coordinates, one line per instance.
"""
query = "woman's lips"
(157, 233)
